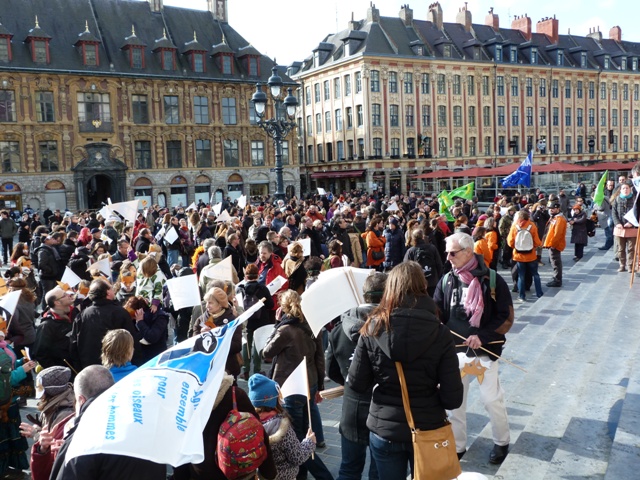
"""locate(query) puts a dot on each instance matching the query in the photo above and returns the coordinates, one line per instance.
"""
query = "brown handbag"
(434, 451)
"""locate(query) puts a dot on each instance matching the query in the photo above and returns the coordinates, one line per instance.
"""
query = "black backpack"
(425, 260)
(591, 228)
(249, 301)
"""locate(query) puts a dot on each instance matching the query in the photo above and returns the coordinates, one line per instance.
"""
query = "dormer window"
(476, 53)
(513, 55)
(623, 63)
(250, 60)
(559, 58)
(223, 55)
(134, 47)
(38, 40)
(534, 56)
(634, 64)
(252, 64)
(583, 60)
(5, 49)
(226, 65)
(607, 62)
(5, 44)
(137, 57)
(87, 46)
(196, 55)
(498, 53)
(197, 64)
(446, 51)
(166, 50)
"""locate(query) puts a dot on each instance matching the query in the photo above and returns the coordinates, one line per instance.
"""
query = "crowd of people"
(434, 300)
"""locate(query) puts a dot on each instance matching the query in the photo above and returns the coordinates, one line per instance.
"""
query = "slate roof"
(390, 36)
(111, 22)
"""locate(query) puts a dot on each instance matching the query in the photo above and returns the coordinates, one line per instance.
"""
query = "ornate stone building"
(391, 97)
(123, 98)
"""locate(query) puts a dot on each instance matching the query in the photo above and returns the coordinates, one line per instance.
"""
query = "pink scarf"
(474, 303)
(8, 351)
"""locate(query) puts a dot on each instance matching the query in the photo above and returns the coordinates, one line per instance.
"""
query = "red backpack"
(241, 449)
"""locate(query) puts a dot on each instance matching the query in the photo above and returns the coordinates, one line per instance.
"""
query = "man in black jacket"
(49, 264)
(88, 385)
(52, 343)
(95, 321)
(339, 230)
(355, 406)
(483, 327)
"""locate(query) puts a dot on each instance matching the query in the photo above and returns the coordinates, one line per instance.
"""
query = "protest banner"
(184, 291)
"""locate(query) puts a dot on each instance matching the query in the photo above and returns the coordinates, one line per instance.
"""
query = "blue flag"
(522, 175)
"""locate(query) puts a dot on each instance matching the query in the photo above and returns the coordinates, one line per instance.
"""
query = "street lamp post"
(281, 125)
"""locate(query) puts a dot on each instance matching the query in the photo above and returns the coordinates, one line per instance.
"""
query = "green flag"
(598, 197)
(465, 191)
(445, 203)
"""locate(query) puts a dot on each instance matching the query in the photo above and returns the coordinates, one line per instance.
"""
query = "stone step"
(538, 344)
(568, 404)
(624, 459)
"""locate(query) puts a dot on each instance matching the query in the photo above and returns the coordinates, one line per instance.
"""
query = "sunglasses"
(452, 253)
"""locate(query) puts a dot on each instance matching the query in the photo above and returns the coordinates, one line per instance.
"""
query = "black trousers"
(7, 249)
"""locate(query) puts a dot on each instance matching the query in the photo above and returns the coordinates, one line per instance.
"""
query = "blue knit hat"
(263, 392)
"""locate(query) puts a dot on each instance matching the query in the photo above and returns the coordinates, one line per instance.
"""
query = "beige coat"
(356, 249)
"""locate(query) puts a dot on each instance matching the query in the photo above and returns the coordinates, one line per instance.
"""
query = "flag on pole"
(445, 203)
(297, 383)
(598, 197)
(522, 175)
(167, 402)
(465, 191)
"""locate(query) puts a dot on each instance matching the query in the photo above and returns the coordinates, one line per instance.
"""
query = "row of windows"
(443, 115)
(49, 159)
(167, 57)
(456, 87)
(97, 107)
(325, 152)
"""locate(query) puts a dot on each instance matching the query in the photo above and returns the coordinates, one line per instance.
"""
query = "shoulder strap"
(518, 228)
(492, 283)
(233, 393)
(529, 228)
(405, 397)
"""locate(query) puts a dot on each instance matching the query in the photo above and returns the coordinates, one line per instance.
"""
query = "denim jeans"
(391, 458)
(296, 407)
(522, 273)
(172, 256)
(354, 456)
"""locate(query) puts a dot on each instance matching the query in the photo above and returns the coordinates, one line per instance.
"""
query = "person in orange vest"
(523, 238)
(556, 242)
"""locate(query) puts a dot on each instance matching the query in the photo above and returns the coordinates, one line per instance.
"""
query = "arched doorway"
(98, 191)
(290, 191)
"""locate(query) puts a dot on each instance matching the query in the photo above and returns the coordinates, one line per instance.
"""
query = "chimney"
(492, 20)
(548, 26)
(522, 23)
(373, 14)
(156, 5)
(218, 8)
(406, 15)
(435, 15)
(615, 34)
(463, 17)
(595, 33)
(353, 25)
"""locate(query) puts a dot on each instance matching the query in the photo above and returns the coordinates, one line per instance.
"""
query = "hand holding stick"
(491, 353)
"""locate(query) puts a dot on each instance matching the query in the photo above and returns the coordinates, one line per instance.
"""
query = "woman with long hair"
(291, 342)
(404, 328)
(20, 250)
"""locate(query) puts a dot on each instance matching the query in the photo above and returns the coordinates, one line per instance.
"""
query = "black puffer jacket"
(49, 263)
(342, 343)
(426, 350)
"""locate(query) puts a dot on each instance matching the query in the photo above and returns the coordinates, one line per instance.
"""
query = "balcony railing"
(102, 125)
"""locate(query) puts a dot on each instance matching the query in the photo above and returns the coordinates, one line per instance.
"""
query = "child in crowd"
(288, 452)
(117, 352)
(149, 283)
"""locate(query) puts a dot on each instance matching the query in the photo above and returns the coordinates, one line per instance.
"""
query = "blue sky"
(289, 29)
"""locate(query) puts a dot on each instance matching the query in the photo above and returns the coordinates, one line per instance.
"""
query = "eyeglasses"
(453, 252)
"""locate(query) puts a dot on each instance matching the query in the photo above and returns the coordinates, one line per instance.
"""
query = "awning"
(470, 172)
(611, 166)
(338, 174)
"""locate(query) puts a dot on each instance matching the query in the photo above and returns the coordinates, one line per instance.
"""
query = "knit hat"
(52, 381)
(393, 221)
(218, 295)
(263, 392)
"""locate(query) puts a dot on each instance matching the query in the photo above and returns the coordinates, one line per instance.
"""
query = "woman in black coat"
(404, 328)
(579, 236)
(152, 327)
